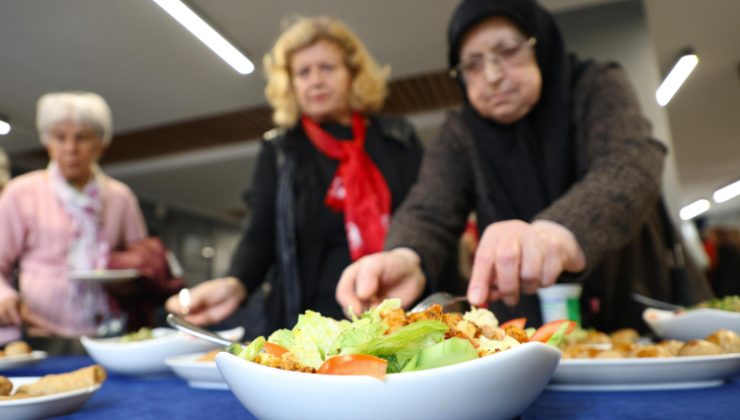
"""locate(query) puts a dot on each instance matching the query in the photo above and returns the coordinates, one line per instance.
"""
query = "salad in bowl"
(390, 363)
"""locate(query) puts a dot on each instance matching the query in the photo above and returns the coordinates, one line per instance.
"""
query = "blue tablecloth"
(168, 397)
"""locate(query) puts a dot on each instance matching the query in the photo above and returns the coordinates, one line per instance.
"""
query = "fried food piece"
(673, 346)
(700, 348)
(728, 340)
(5, 386)
(63, 382)
(209, 357)
(466, 328)
(393, 319)
(452, 319)
(609, 354)
(597, 337)
(625, 335)
(17, 348)
(652, 350)
(581, 351)
(516, 333)
(624, 348)
(433, 312)
(492, 333)
(286, 361)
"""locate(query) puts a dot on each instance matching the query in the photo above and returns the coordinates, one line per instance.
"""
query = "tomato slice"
(517, 322)
(274, 349)
(546, 331)
(355, 364)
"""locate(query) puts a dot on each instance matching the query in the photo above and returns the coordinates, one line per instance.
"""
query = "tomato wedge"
(546, 331)
(517, 322)
(355, 364)
(274, 349)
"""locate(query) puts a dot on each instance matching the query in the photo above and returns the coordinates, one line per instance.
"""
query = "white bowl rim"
(470, 364)
(167, 334)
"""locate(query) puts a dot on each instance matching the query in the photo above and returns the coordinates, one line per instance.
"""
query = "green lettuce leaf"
(252, 349)
(404, 343)
(448, 352)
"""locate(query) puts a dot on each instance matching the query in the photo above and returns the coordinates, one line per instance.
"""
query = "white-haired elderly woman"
(66, 217)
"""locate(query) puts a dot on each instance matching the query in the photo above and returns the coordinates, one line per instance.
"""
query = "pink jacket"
(35, 232)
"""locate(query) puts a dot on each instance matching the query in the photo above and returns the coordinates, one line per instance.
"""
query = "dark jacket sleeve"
(434, 213)
(621, 182)
(255, 253)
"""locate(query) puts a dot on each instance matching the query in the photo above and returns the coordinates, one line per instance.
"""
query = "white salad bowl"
(147, 357)
(502, 386)
(692, 324)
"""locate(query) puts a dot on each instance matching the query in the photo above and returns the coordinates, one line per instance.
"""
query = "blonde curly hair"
(369, 81)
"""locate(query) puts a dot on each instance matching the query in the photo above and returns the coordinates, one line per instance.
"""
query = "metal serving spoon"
(196, 331)
(654, 303)
(444, 299)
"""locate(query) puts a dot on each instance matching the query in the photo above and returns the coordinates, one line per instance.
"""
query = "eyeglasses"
(507, 57)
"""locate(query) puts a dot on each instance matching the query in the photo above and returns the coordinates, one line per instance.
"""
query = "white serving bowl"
(690, 325)
(502, 386)
(198, 374)
(147, 357)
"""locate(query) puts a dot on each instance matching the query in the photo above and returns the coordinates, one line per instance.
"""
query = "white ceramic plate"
(46, 406)
(104, 276)
(632, 374)
(502, 386)
(12, 362)
(197, 374)
(147, 357)
(689, 325)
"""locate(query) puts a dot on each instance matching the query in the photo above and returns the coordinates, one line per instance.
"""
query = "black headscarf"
(529, 163)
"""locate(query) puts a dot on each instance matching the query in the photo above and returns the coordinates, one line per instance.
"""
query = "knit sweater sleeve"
(433, 215)
(622, 180)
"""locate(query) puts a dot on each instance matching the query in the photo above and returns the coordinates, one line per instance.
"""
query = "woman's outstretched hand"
(389, 274)
(516, 257)
(210, 302)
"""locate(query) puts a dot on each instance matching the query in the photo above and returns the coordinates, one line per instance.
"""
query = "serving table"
(168, 397)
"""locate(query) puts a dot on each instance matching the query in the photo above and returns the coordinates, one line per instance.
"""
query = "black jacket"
(293, 235)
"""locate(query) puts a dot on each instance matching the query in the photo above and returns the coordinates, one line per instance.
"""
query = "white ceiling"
(155, 73)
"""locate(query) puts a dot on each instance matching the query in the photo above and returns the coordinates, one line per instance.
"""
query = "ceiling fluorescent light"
(678, 74)
(694, 209)
(4, 127)
(203, 31)
(727, 193)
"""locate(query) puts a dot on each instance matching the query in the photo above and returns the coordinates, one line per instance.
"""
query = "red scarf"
(358, 188)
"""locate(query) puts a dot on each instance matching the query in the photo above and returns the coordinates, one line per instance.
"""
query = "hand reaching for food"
(515, 257)
(373, 278)
(210, 302)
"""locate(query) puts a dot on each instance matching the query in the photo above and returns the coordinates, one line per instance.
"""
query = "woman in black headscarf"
(558, 163)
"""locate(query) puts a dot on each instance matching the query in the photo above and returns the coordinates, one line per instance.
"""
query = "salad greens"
(415, 346)
(365, 345)
(727, 303)
(142, 334)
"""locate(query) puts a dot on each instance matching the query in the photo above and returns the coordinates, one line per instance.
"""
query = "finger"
(12, 314)
(508, 257)
(218, 313)
(483, 274)
(34, 331)
(531, 265)
(173, 305)
(368, 278)
(408, 289)
(552, 268)
(345, 293)
(32, 320)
